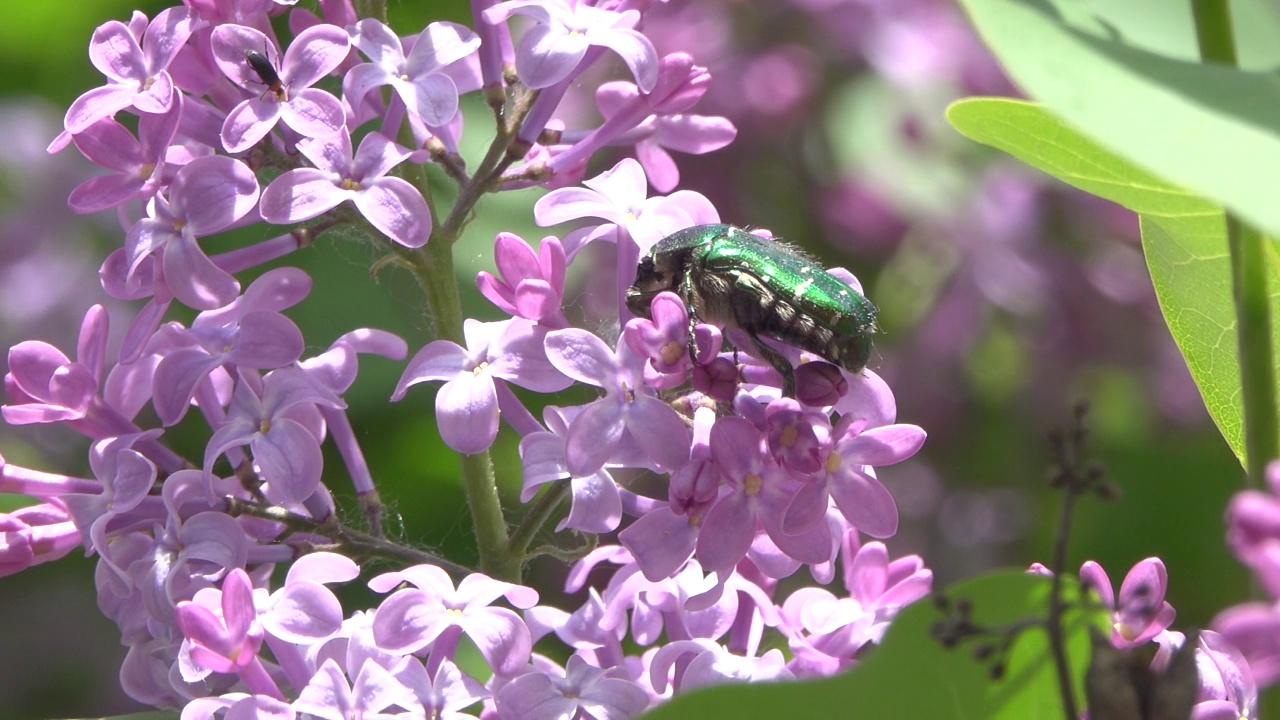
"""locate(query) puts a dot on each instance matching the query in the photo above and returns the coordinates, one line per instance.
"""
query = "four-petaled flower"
(467, 404)
(550, 51)
(627, 412)
(135, 58)
(389, 203)
(285, 93)
(418, 78)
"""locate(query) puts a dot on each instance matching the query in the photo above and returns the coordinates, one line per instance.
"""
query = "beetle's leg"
(688, 294)
(748, 305)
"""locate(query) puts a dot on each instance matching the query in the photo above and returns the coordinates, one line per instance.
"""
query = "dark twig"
(348, 541)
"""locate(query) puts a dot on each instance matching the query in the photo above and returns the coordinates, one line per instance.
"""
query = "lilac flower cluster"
(1140, 616)
(1253, 534)
(758, 484)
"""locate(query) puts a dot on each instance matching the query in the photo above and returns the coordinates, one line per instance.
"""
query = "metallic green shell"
(764, 287)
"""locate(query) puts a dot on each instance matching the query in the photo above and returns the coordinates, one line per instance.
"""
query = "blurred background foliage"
(1005, 298)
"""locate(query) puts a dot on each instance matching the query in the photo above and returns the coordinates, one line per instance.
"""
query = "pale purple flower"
(797, 436)
(262, 415)
(139, 163)
(329, 695)
(1253, 530)
(312, 113)
(868, 398)
(413, 618)
(45, 386)
(531, 284)
(758, 494)
(35, 534)
(1228, 690)
(619, 196)
(419, 79)
(207, 195)
(664, 538)
(304, 610)
(655, 122)
(663, 339)
(187, 556)
(551, 50)
(136, 63)
(580, 630)
(1140, 612)
(127, 476)
(445, 696)
(691, 603)
(391, 204)
(583, 691)
(595, 502)
(700, 662)
(250, 332)
(467, 404)
(626, 411)
(1254, 628)
(826, 631)
(846, 477)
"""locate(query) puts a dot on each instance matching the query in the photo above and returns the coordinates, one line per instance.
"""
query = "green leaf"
(1210, 128)
(1184, 238)
(1038, 137)
(912, 676)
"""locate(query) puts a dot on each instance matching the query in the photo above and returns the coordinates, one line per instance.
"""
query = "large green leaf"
(912, 676)
(1210, 128)
(1183, 236)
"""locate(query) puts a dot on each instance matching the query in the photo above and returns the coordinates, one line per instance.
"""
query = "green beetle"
(733, 278)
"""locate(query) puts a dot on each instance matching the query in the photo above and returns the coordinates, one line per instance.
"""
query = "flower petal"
(467, 413)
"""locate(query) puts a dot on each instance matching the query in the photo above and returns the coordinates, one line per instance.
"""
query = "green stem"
(1249, 279)
(372, 9)
(1253, 325)
(433, 267)
(1213, 31)
(542, 511)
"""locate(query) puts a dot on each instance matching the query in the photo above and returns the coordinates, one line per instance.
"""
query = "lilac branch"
(347, 541)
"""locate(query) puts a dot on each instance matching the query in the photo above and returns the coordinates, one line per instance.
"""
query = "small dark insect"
(765, 288)
(267, 73)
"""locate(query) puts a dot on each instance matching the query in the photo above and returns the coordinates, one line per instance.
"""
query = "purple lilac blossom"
(467, 404)
(531, 284)
(140, 163)
(627, 415)
(135, 58)
(269, 414)
(551, 50)
(190, 585)
(310, 112)
(390, 203)
(1253, 534)
(417, 79)
(207, 195)
(1140, 612)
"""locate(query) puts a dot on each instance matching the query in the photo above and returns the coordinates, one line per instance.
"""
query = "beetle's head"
(656, 272)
